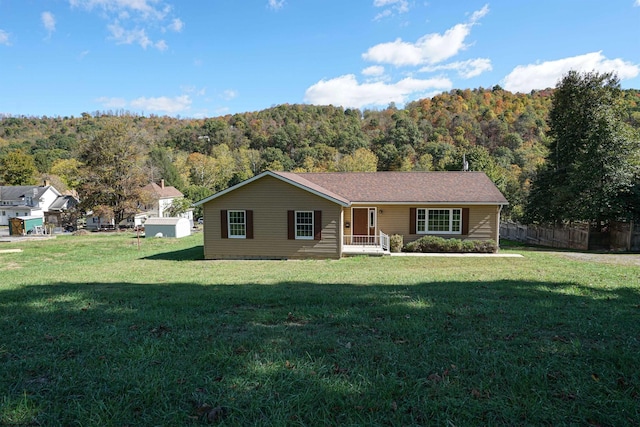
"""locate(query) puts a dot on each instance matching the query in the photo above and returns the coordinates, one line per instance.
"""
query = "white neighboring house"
(34, 201)
(163, 196)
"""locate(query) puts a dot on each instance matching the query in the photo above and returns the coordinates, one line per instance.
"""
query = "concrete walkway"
(10, 251)
(457, 255)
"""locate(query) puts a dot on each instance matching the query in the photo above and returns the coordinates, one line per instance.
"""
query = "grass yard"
(94, 331)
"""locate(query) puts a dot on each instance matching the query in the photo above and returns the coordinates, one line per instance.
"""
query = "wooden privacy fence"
(624, 235)
(619, 236)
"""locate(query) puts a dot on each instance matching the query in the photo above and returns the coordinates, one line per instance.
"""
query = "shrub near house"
(429, 244)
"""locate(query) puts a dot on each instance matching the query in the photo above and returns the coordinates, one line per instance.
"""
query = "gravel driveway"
(607, 258)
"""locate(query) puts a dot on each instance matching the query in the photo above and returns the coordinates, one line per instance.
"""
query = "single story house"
(167, 227)
(282, 215)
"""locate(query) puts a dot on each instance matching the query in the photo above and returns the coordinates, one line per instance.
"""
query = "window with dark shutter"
(465, 221)
(412, 220)
(291, 225)
(224, 226)
(317, 225)
(249, 224)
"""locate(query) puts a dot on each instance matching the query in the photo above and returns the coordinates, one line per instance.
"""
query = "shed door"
(16, 227)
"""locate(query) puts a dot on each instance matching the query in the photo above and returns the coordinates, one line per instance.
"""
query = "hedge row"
(429, 244)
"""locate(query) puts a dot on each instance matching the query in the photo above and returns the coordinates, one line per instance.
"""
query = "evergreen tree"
(590, 170)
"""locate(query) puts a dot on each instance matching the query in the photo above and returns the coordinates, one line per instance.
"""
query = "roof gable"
(289, 178)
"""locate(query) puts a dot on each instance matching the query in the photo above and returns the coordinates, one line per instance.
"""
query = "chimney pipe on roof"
(465, 163)
(162, 183)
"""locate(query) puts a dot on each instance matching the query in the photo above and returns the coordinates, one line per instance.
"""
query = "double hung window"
(439, 221)
(237, 222)
(304, 225)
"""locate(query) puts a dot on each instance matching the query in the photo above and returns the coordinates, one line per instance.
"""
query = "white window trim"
(426, 221)
(295, 225)
(244, 216)
(372, 217)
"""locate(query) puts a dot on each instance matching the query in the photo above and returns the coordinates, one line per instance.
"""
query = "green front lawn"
(96, 331)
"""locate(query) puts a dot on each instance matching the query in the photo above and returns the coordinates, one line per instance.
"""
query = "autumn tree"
(112, 175)
(67, 170)
(362, 160)
(18, 168)
(593, 158)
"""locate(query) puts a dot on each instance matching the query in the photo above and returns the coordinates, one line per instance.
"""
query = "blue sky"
(203, 58)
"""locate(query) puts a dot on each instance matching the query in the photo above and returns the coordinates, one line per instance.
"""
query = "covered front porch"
(362, 235)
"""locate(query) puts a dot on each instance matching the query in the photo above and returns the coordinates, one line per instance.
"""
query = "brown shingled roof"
(163, 192)
(402, 187)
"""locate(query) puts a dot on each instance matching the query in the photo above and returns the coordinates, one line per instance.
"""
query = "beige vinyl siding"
(270, 199)
(484, 223)
(394, 219)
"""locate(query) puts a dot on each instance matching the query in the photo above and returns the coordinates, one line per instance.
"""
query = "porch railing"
(381, 241)
(384, 242)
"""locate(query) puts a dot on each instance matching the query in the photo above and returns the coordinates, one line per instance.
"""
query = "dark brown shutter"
(249, 220)
(291, 225)
(465, 221)
(412, 220)
(317, 225)
(224, 228)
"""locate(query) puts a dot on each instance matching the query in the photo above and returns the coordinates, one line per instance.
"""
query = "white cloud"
(107, 102)
(229, 94)
(373, 71)
(347, 92)
(145, 9)
(161, 45)
(163, 104)
(428, 49)
(132, 21)
(525, 78)
(276, 4)
(465, 69)
(49, 21)
(124, 36)
(176, 25)
(4, 38)
(475, 16)
(637, 3)
(194, 90)
(392, 7)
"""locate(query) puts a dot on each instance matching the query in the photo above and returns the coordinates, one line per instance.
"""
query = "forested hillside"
(500, 133)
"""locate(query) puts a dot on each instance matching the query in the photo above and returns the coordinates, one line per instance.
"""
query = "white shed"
(167, 227)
